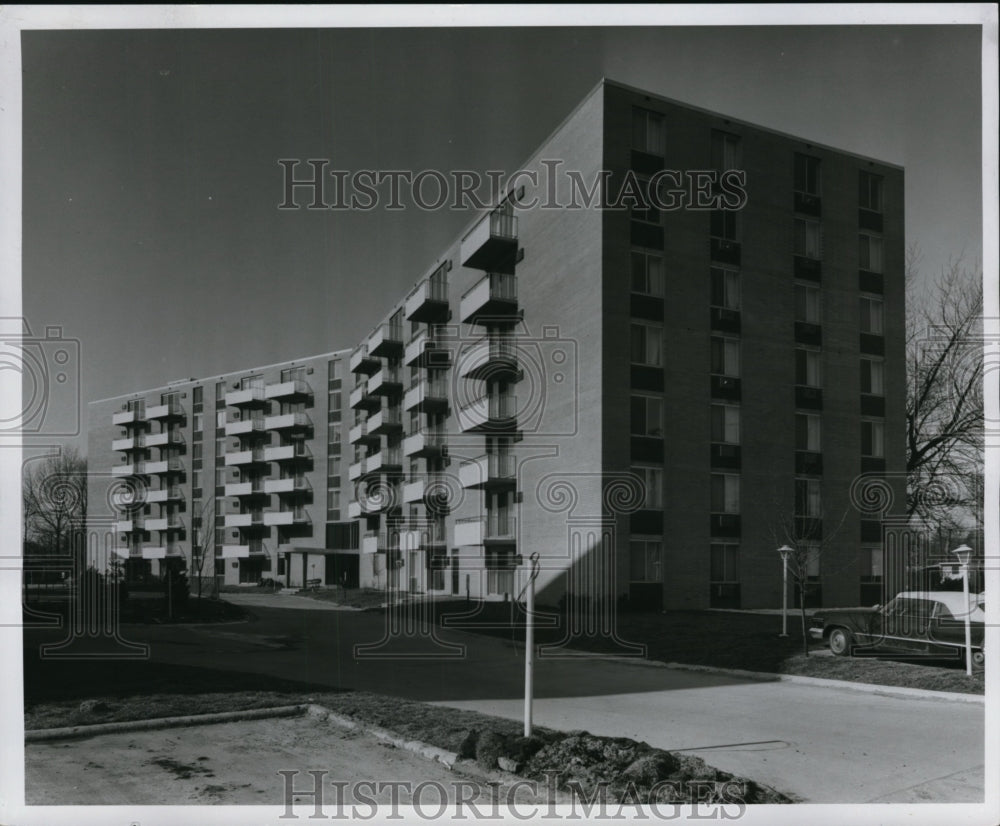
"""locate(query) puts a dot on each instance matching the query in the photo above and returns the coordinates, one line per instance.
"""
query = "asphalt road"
(820, 744)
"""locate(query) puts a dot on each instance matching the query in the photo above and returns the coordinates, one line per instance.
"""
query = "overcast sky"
(151, 180)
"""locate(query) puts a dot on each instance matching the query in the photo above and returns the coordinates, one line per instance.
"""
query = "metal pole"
(529, 646)
(784, 595)
(968, 626)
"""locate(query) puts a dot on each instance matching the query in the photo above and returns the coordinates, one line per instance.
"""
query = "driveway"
(821, 744)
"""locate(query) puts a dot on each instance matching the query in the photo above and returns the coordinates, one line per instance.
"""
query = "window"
(870, 191)
(645, 560)
(641, 205)
(197, 394)
(807, 177)
(220, 391)
(871, 564)
(647, 131)
(220, 446)
(808, 239)
(647, 416)
(725, 492)
(807, 367)
(870, 252)
(725, 224)
(196, 478)
(872, 438)
(647, 344)
(725, 356)
(220, 418)
(333, 500)
(807, 432)
(220, 476)
(652, 478)
(335, 400)
(726, 424)
(725, 563)
(725, 288)
(198, 422)
(647, 273)
(333, 469)
(812, 562)
(725, 151)
(196, 451)
(807, 303)
(871, 377)
(871, 315)
(807, 498)
(333, 369)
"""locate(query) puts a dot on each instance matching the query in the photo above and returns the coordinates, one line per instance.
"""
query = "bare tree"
(944, 404)
(54, 494)
(203, 540)
(809, 538)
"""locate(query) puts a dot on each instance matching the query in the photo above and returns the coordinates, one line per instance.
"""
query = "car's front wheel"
(978, 659)
(840, 641)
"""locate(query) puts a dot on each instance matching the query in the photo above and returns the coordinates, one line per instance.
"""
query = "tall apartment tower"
(234, 477)
(645, 402)
(651, 400)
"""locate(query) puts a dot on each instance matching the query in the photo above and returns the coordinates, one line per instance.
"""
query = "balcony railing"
(129, 443)
(487, 471)
(168, 410)
(253, 488)
(494, 296)
(384, 459)
(292, 485)
(296, 516)
(250, 519)
(489, 357)
(424, 351)
(492, 243)
(247, 397)
(168, 494)
(288, 421)
(246, 457)
(362, 398)
(362, 361)
(173, 522)
(425, 442)
(128, 417)
(428, 301)
(385, 420)
(163, 466)
(489, 412)
(385, 382)
(426, 395)
(386, 340)
(293, 388)
(162, 551)
(298, 452)
(170, 438)
(254, 424)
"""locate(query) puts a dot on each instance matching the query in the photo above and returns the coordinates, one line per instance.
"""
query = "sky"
(151, 182)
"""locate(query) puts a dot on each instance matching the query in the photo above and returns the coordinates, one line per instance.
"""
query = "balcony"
(129, 443)
(130, 469)
(492, 243)
(385, 420)
(428, 302)
(386, 340)
(126, 418)
(134, 525)
(252, 519)
(168, 494)
(297, 452)
(246, 457)
(292, 486)
(485, 530)
(253, 548)
(169, 410)
(173, 522)
(386, 382)
(355, 470)
(292, 390)
(362, 399)
(297, 516)
(288, 422)
(425, 443)
(489, 471)
(353, 510)
(489, 413)
(373, 542)
(161, 551)
(238, 427)
(426, 536)
(362, 361)
(247, 489)
(424, 351)
(163, 466)
(379, 494)
(171, 438)
(385, 461)
(490, 357)
(247, 397)
(427, 396)
(492, 298)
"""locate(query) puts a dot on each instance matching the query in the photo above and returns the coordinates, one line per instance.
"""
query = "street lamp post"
(785, 552)
(964, 552)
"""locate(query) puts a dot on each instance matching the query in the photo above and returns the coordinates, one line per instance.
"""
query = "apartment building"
(235, 478)
(651, 398)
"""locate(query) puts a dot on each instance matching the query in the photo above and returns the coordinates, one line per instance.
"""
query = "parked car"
(920, 623)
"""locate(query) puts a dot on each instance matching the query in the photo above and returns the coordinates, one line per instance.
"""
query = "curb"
(418, 747)
(846, 685)
(68, 732)
(425, 750)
